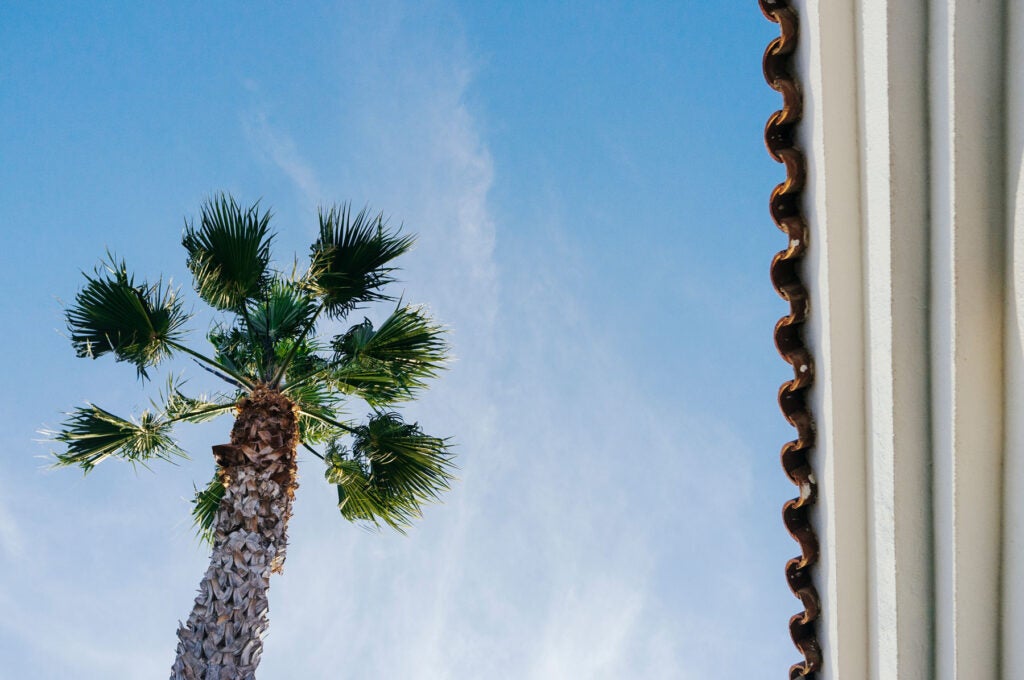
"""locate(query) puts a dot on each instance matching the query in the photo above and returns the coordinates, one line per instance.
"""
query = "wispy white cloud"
(546, 558)
(606, 629)
(279, 148)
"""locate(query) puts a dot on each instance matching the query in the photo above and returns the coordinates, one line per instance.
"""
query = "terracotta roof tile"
(784, 206)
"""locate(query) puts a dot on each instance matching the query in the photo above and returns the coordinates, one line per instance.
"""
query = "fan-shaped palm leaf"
(403, 459)
(390, 471)
(318, 409)
(236, 349)
(229, 253)
(386, 365)
(360, 501)
(370, 381)
(93, 434)
(179, 407)
(349, 260)
(286, 310)
(355, 498)
(410, 338)
(139, 324)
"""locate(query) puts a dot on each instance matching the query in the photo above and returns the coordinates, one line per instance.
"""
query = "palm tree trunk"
(223, 637)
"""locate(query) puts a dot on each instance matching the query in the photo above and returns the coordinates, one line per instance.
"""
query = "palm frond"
(402, 458)
(307, 365)
(315, 431)
(349, 260)
(391, 469)
(407, 348)
(179, 407)
(371, 381)
(355, 498)
(285, 310)
(229, 253)
(359, 501)
(310, 388)
(92, 435)
(204, 509)
(137, 323)
(318, 407)
(237, 349)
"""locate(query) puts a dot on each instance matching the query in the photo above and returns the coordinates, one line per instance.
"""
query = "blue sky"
(589, 188)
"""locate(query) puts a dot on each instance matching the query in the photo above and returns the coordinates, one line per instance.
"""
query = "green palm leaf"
(179, 407)
(93, 434)
(318, 409)
(137, 323)
(349, 261)
(229, 253)
(236, 349)
(370, 381)
(387, 364)
(404, 460)
(359, 501)
(286, 310)
(315, 430)
(410, 338)
(391, 470)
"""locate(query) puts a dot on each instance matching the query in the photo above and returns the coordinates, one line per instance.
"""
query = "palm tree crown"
(286, 389)
(384, 468)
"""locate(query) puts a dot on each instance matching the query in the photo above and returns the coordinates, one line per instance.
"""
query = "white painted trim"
(1013, 508)
(917, 328)
(893, 51)
(829, 134)
(966, 69)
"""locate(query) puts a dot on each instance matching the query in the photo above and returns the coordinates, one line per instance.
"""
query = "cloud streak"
(280, 149)
(545, 561)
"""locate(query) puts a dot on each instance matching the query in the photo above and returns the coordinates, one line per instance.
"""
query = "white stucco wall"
(894, 231)
(966, 80)
(1013, 486)
(914, 133)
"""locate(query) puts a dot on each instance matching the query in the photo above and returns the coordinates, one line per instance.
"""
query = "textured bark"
(223, 637)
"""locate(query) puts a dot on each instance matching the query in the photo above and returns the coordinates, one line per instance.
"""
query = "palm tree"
(286, 388)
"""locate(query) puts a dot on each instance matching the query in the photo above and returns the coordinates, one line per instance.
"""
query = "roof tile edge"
(785, 208)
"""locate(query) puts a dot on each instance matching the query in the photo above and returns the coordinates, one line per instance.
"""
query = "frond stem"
(233, 383)
(330, 421)
(246, 382)
(245, 316)
(306, 378)
(313, 451)
(193, 414)
(276, 382)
